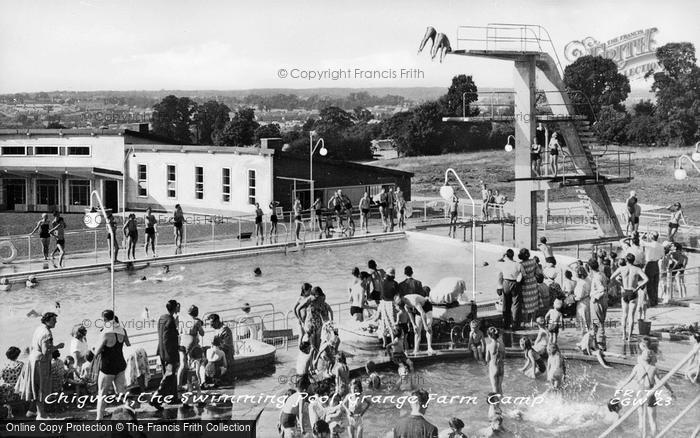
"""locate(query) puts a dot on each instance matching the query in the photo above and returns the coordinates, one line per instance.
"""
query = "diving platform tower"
(534, 69)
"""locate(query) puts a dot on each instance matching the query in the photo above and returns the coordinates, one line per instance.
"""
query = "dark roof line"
(345, 164)
(91, 131)
(154, 137)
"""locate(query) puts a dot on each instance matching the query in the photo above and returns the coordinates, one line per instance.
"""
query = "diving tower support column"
(524, 77)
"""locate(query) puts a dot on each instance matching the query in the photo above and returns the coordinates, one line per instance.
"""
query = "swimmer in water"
(534, 364)
(163, 276)
(257, 272)
(5, 284)
(477, 344)
(589, 346)
(495, 356)
(31, 282)
(556, 367)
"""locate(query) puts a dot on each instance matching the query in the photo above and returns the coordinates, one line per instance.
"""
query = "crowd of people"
(335, 219)
(642, 274)
(113, 365)
(399, 314)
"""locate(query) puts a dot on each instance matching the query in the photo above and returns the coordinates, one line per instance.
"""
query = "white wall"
(158, 157)
(107, 152)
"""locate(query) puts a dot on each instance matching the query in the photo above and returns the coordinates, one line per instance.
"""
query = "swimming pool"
(228, 283)
(580, 412)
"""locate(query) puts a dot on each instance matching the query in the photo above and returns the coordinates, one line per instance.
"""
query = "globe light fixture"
(509, 147)
(323, 151)
(446, 193)
(680, 174)
(696, 155)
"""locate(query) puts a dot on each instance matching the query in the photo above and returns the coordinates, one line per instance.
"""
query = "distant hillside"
(415, 94)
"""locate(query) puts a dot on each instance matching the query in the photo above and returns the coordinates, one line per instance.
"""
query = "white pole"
(447, 172)
(311, 177)
(111, 243)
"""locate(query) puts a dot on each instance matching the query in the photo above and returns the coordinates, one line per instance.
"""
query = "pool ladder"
(651, 392)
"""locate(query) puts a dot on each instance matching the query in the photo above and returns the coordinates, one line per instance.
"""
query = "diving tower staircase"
(584, 165)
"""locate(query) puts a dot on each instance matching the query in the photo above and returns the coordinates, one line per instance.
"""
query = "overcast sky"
(215, 44)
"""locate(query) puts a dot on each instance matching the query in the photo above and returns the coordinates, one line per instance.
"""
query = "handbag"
(499, 304)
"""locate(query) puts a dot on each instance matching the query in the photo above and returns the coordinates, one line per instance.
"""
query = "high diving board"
(505, 55)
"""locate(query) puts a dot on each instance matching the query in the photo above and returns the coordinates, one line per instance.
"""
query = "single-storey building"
(47, 169)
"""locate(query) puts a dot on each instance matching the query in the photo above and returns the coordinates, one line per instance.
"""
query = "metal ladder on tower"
(588, 139)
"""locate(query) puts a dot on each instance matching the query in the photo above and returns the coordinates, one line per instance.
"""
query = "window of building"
(226, 184)
(14, 150)
(47, 191)
(198, 182)
(46, 150)
(142, 171)
(16, 192)
(171, 182)
(79, 150)
(251, 187)
(79, 192)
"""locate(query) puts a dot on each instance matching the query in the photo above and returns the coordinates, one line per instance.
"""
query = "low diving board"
(510, 118)
(576, 179)
(466, 225)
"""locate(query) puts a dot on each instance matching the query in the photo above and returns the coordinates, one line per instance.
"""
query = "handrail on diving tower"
(514, 36)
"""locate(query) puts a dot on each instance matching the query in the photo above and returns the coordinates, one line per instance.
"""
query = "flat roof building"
(47, 169)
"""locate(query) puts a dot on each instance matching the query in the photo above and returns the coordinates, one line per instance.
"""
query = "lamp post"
(696, 155)
(447, 192)
(92, 219)
(509, 147)
(126, 157)
(323, 152)
(680, 173)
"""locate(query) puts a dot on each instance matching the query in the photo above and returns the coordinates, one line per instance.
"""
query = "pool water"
(581, 410)
(228, 283)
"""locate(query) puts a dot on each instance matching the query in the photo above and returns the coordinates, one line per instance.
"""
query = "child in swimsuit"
(556, 367)
(131, 234)
(355, 407)
(476, 343)
(542, 339)
(150, 221)
(589, 346)
(554, 321)
(397, 350)
(495, 356)
(342, 376)
(534, 364)
(373, 379)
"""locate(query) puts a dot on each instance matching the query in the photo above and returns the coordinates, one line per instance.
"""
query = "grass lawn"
(652, 169)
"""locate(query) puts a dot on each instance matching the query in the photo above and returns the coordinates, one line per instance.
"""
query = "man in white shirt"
(653, 252)
(512, 273)
(632, 246)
